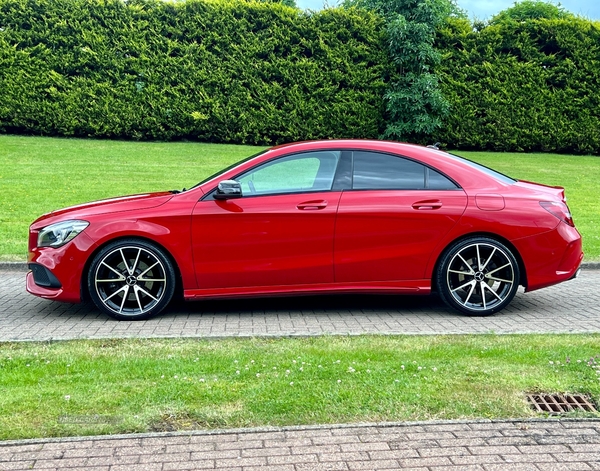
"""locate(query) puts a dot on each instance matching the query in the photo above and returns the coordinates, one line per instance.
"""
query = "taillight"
(560, 210)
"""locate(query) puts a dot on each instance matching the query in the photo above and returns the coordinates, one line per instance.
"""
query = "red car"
(313, 217)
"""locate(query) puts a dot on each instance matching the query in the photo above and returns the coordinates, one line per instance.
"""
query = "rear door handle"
(312, 205)
(427, 205)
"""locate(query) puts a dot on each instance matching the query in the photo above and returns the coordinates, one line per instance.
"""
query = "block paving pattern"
(573, 306)
(543, 445)
(476, 446)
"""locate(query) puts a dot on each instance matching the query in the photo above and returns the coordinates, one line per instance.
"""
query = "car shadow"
(315, 305)
(338, 303)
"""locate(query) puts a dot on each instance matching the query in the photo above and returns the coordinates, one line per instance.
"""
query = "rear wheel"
(131, 280)
(478, 276)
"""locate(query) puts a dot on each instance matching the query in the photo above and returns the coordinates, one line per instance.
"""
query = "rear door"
(391, 221)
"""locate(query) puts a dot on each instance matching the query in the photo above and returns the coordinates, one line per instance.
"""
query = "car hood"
(111, 205)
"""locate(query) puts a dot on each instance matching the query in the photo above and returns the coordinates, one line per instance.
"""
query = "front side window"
(298, 173)
(374, 171)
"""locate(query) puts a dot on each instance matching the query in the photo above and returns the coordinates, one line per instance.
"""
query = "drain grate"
(559, 403)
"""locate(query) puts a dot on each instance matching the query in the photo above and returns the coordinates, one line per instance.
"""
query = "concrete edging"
(13, 266)
(291, 428)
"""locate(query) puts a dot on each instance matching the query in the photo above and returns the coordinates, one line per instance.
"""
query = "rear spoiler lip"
(557, 191)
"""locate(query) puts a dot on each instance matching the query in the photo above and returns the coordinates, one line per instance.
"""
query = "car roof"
(458, 169)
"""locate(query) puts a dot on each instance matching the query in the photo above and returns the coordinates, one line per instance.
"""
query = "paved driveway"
(425, 446)
(477, 445)
(570, 307)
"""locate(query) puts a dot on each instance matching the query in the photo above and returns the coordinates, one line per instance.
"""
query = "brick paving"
(549, 445)
(573, 306)
(537, 445)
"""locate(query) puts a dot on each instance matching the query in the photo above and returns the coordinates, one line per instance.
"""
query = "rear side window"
(374, 171)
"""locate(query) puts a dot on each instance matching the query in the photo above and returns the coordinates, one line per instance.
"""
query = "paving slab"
(570, 307)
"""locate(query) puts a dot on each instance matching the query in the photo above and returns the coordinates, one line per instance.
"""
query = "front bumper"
(43, 277)
(57, 273)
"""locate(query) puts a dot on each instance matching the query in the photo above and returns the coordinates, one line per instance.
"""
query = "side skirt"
(397, 287)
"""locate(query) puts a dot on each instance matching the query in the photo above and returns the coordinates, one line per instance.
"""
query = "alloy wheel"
(130, 280)
(481, 277)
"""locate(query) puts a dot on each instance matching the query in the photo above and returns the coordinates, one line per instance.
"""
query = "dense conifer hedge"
(522, 85)
(226, 71)
(259, 73)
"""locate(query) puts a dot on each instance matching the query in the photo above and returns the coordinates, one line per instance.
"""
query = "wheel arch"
(85, 295)
(489, 235)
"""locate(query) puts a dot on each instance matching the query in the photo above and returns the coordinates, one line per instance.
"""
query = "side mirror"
(228, 189)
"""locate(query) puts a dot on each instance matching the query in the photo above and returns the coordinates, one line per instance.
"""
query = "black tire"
(474, 266)
(131, 279)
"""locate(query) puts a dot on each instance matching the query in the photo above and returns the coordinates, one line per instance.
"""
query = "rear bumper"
(576, 274)
(552, 257)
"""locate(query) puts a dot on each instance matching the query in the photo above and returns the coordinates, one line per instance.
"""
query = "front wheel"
(478, 276)
(131, 280)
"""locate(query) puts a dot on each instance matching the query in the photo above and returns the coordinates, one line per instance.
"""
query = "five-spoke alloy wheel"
(478, 276)
(131, 280)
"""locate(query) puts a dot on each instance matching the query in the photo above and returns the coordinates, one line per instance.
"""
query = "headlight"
(56, 235)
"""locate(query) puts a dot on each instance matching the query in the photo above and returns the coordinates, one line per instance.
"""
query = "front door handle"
(312, 205)
(427, 205)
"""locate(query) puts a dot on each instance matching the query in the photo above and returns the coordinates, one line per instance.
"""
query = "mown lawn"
(39, 174)
(122, 386)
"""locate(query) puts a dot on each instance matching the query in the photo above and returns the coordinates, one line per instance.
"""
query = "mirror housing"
(228, 189)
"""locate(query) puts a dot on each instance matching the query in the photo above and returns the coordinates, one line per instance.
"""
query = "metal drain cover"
(559, 403)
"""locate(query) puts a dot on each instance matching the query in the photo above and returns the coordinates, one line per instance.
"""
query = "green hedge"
(227, 71)
(514, 86)
(260, 73)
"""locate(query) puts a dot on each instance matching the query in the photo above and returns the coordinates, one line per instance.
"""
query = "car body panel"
(390, 235)
(558, 255)
(399, 287)
(264, 240)
(111, 205)
(64, 263)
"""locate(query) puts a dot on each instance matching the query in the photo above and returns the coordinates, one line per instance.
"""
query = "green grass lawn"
(39, 174)
(122, 386)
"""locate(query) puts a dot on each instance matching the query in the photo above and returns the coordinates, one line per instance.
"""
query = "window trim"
(341, 174)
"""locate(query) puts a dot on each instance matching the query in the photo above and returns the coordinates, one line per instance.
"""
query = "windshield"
(235, 164)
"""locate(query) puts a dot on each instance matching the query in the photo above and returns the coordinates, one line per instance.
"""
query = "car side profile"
(314, 217)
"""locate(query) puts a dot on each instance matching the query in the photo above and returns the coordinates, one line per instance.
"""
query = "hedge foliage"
(522, 85)
(259, 72)
(226, 71)
(414, 103)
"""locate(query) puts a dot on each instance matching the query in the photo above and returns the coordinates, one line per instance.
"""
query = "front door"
(279, 233)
